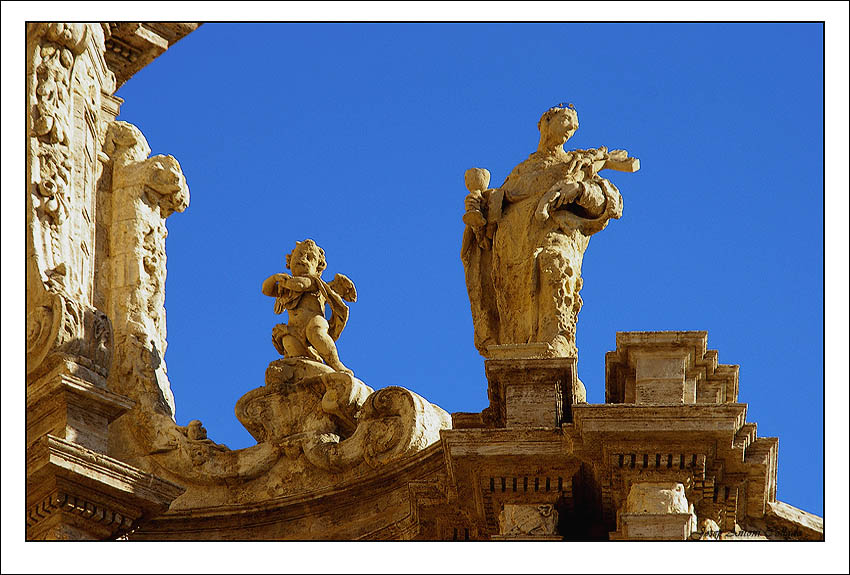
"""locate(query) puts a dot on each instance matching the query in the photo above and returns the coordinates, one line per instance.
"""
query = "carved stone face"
(196, 430)
(305, 260)
(558, 124)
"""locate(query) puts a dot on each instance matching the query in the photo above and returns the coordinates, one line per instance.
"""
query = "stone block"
(532, 392)
(72, 408)
(655, 526)
(667, 368)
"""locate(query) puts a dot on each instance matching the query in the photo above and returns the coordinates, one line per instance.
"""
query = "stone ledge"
(76, 493)
(54, 456)
(655, 419)
(358, 504)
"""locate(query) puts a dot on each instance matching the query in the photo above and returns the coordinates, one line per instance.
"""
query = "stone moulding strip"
(61, 501)
(620, 418)
(497, 442)
(104, 402)
(67, 458)
(424, 465)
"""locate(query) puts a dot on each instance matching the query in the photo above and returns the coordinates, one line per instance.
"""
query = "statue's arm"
(620, 161)
(297, 283)
(270, 285)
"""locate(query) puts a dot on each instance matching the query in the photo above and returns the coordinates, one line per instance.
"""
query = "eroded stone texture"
(670, 454)
(304, 295)
(528, 522)
(316, 425)
(74, 490)
(145, 191)
(524, 241)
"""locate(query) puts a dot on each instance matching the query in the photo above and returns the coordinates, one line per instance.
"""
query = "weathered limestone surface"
(316, 425)
(670, 454)
(74, 490)
(524, 241)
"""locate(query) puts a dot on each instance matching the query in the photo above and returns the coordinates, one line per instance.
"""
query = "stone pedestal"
(654, 527)
(660, 377)
(667, 368)
(656, 511)
(532, 392)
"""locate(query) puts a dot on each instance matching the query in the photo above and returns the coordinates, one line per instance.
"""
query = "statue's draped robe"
(526, 287)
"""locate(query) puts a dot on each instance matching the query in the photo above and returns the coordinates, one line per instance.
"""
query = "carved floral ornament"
(54, 60)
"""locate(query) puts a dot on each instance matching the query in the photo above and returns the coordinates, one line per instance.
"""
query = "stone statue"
(524, 242)
(304, 295)
(195, 431)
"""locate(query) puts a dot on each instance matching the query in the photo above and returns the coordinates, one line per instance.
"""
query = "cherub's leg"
(293, 347)
(317, 335)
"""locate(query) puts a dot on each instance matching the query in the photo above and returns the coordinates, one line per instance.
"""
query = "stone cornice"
(77, 493)
(130, 46)
(54, 456)
(357, 491)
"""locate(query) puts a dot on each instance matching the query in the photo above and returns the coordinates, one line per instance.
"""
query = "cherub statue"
(304, 295)
(195, 431)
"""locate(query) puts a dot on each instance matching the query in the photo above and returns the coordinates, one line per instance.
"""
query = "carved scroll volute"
(398, 423)
(44, 322)
(392, 424)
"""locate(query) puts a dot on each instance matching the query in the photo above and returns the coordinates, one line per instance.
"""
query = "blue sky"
(358, 135)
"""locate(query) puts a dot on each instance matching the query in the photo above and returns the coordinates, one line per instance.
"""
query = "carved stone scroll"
(336, 420)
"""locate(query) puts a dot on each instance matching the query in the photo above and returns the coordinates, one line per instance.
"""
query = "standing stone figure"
(524, 283)
(304, 295)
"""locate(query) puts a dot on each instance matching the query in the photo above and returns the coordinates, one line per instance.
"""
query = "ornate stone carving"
(54, 55)
(523, 257)
(145, 191)
(336, 420)
(304, 295)
(64, 62)
(528, 520)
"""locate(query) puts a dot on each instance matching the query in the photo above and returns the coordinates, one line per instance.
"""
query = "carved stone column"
(74, 491)
(144, 191)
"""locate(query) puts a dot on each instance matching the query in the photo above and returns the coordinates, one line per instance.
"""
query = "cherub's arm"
(297, 283)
